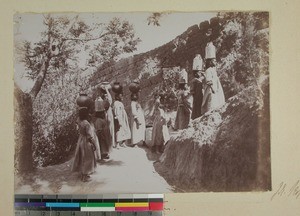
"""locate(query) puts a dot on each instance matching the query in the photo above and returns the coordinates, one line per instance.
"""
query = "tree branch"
(32, 56)
(40, 79)
(85, 39)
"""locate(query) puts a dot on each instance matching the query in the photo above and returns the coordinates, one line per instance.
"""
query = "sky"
(29, 27)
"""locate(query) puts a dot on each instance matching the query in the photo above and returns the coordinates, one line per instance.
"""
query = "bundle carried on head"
(197, 63)
(104, 86)
(210, 51)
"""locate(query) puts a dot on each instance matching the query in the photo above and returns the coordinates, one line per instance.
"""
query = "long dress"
(213, 94)
(103, 135)
(109, 119)
(84, 160)
(97, 144)
(196, 91)
(138, 131)
(96, 140)
(160, 133)
(184, 110)
(124, 132)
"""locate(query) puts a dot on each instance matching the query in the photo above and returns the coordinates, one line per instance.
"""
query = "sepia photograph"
(142, 102)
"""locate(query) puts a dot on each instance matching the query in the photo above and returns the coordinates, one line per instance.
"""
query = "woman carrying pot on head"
(138, 125)
(160, 132)
(213, 95)
(196, 86)
(85, 160)
(184, 108)
(105, 97)
(196, 91)
(102, 130)
(124, 132)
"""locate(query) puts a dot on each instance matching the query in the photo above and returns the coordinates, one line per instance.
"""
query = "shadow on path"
(110, 162)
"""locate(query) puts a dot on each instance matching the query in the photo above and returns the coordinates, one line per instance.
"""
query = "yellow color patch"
(133, 204)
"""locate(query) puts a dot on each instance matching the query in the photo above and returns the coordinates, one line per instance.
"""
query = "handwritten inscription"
(285, 190)
(295, 190)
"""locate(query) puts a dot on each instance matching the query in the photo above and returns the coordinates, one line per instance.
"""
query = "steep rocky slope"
(225, 150)
(228, 149)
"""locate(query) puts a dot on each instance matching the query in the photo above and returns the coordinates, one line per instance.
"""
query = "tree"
(155, 18)
(62, 40)
(245, 44)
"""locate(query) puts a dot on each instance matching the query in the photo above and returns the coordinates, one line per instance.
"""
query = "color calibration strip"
(124, 203)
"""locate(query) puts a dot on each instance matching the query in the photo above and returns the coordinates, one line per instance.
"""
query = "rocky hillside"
(225, 150)
(228, 149)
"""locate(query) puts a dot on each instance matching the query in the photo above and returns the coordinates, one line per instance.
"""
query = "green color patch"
(97, 204)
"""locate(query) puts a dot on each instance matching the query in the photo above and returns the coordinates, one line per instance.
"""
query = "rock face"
(227, 149)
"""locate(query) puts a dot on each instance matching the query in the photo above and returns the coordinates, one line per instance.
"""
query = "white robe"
(213, 95)
(124, 132)
(138, 132)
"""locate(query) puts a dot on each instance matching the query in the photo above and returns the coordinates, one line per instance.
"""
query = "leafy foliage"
(119, 38)
(154, 19)
(243, 50)
(53, 63)
(166, 89)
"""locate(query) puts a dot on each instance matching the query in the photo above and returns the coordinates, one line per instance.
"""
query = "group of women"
(111, 127)
(205, 93)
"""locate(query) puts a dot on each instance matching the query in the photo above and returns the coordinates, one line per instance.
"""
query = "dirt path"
(129, 170)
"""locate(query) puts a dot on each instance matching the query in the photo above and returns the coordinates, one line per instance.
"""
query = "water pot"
(83, 100)
(134, 87)
(117, 88)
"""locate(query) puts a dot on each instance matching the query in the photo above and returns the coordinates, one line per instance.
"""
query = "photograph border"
(284, 47)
